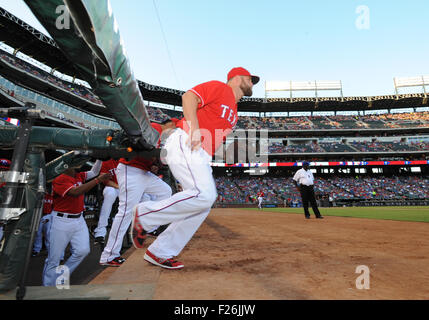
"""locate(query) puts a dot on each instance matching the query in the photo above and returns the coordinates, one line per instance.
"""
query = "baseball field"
(418, 214)
(276, 254)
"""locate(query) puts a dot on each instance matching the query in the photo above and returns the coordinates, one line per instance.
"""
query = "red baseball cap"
(242, 72)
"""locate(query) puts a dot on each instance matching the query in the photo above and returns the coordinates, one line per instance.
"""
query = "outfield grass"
(418, 214)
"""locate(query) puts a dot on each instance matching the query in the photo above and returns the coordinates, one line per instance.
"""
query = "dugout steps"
(88, 292)
(134, 280)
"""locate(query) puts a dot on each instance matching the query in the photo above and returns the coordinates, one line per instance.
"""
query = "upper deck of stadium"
(73, 104)
(24, 38)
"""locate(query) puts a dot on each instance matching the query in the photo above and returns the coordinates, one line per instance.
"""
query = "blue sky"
(277, 40)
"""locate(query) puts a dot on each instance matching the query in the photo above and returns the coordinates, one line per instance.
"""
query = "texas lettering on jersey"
(216, 113)
(232, 115)
(109, 166)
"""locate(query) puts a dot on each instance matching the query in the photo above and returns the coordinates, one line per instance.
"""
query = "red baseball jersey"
(217, 114)
(4, 166)
(110, 166)
(140, 162)
(48, 202)
(62, 201)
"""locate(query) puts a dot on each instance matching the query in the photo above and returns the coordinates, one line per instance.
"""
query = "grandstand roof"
(17, 34)
(333, 103)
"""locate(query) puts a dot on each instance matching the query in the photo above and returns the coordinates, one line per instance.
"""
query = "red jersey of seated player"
(4, 166)
(48, 203)
(140, 162)
(63, 202)
(110, 166)
(216, 113)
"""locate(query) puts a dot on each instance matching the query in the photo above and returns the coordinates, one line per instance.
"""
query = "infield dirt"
(244, 254)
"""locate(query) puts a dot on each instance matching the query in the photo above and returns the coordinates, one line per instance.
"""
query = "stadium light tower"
(315, 86)
(407, 82)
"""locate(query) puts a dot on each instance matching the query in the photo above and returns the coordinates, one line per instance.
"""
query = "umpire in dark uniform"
(304, 181)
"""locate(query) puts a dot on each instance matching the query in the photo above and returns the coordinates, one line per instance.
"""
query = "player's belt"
(66, 215)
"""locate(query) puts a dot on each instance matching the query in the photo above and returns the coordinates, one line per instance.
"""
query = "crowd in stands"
(58, 115)
(383, 188)
(61, 116)
(228, 190)
(72, 87)
(281, 190)
(336, 147)
(278, 147)
(350, 146)
(274, 123)
(172, 113)
(156, 114)
(373, 146)
(399, 120)
(420, 145)
(243, 190)
(380, 146)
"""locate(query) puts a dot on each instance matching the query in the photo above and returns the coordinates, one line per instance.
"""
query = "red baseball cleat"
(164, 263)
(137, 234)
